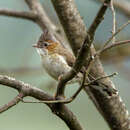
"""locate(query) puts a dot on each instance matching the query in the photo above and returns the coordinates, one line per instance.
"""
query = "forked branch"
(27, 90)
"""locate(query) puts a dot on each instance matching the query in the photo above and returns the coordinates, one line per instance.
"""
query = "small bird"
(56, 59)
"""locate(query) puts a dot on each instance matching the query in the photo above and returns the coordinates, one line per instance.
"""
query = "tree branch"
(122, 6)
(70, 19)
(12, 103)
(98, 19)
(85, 49)
(117, 32)
(76, 32)
(65, 101)
(113, 20)
(43, 21)
(80, 61)
(19, 14)
(84, 52)
(117, 116)
(27, 90)
(116, 44)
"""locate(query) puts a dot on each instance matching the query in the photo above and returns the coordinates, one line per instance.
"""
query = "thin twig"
(91, 82)
(48, 102)
(116, 44)
(114, 21)
(98, 53)
(12, 103)
(81, 87)
(120, 29)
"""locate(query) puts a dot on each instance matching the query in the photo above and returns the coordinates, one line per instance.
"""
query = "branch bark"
(12, 103)
(18, 14)
(117, 119)
(71, 21)
(27, 90)
(116, 44)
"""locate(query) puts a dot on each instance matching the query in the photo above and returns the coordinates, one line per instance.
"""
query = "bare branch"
(70, 19)
(43, 21)
(19, 14)
(87, 84)
(76, 33)
(91, 82)
(80, 61)
(12, 103)
(84, 51)
(120, 29)
(11, 82)
(27, 90)
(98, 19)
(116, 44)
(122, 5)
(69, 100)
(114, 20)
(62, 100)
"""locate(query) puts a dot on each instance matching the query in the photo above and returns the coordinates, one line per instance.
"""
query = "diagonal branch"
(84, 52)
(12, 103)
(65, 101)
(43, 21)
(80, 61)
(19, 14)
(98, 19)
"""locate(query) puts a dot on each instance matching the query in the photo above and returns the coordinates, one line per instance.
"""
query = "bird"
(56, 59)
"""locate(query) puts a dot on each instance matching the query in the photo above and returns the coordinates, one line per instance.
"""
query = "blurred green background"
(20, 60)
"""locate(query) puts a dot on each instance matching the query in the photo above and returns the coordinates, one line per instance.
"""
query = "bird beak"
(35, 45)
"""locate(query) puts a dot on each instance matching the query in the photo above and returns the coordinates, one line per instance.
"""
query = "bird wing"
(70, 58)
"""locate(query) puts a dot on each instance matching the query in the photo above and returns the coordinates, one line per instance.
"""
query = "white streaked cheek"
(42, 52)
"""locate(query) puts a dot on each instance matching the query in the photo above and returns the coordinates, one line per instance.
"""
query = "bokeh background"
(19, 59)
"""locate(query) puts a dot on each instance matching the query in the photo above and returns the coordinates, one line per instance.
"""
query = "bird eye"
(45, 44)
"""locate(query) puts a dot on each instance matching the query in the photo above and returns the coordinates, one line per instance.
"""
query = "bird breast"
(55, 65)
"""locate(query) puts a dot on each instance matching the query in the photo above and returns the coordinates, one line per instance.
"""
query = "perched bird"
(56, 59)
